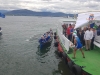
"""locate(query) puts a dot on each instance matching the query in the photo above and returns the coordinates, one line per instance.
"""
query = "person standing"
(78, 45)
(92, 40)
(68, 32)
(80, 35)
(71, 32)
(87, 37)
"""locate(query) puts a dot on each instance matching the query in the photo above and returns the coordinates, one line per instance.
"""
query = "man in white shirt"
(87, 37)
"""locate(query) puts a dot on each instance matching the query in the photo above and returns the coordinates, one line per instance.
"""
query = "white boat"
(80, 66)
(0, 32)
(66, 43)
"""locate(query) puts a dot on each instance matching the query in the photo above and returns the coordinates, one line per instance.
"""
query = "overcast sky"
(65, 6)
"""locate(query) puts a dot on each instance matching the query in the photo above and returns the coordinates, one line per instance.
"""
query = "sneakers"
(73, 57)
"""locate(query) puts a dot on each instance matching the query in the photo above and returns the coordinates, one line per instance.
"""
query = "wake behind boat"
(46, 39)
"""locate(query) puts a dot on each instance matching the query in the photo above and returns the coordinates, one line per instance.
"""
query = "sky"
(65, 6)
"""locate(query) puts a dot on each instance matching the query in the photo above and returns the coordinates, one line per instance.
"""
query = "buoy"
(59, 54)
(60, 48)
(70, 65)
(56, 44)
(77, 70)
(64, 55)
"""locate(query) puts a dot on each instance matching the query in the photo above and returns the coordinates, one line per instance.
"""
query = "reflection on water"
(62, 69)
(42, 51)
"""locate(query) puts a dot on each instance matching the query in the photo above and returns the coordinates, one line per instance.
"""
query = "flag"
(95, 26)
(2, 15)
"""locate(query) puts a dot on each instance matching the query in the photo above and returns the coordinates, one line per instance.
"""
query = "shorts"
(78, 46)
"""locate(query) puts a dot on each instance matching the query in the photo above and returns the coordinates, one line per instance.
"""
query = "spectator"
(87, 37)
(72, 29)
(68, 32)
(92, 41)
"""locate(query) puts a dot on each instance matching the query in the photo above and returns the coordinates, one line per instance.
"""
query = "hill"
(3, 11)
(25, 12)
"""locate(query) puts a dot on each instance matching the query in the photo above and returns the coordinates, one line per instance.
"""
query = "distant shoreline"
(25, 12)
(35, 16)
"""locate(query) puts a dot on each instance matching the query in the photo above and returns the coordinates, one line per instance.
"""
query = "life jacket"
(48, 37)
(41, 41)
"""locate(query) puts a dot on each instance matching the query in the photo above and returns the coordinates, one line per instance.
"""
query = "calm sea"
(19, 53)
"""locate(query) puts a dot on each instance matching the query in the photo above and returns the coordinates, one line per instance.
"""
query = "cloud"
(66, 6)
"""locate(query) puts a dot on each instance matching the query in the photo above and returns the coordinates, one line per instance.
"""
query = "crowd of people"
(86, 35)
(46, 37)
(81, 37)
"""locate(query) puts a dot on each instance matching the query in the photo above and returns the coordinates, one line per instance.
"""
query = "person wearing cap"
(78, 45)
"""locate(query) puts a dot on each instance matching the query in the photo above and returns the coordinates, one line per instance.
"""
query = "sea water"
(19, 52)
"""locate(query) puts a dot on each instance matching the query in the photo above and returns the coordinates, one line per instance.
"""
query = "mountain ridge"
(25, 12)
(3, 11)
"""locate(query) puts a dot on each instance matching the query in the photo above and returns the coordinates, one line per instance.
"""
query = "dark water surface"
(19, 53)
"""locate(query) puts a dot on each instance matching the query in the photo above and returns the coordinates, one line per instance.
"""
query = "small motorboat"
(0, 31)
